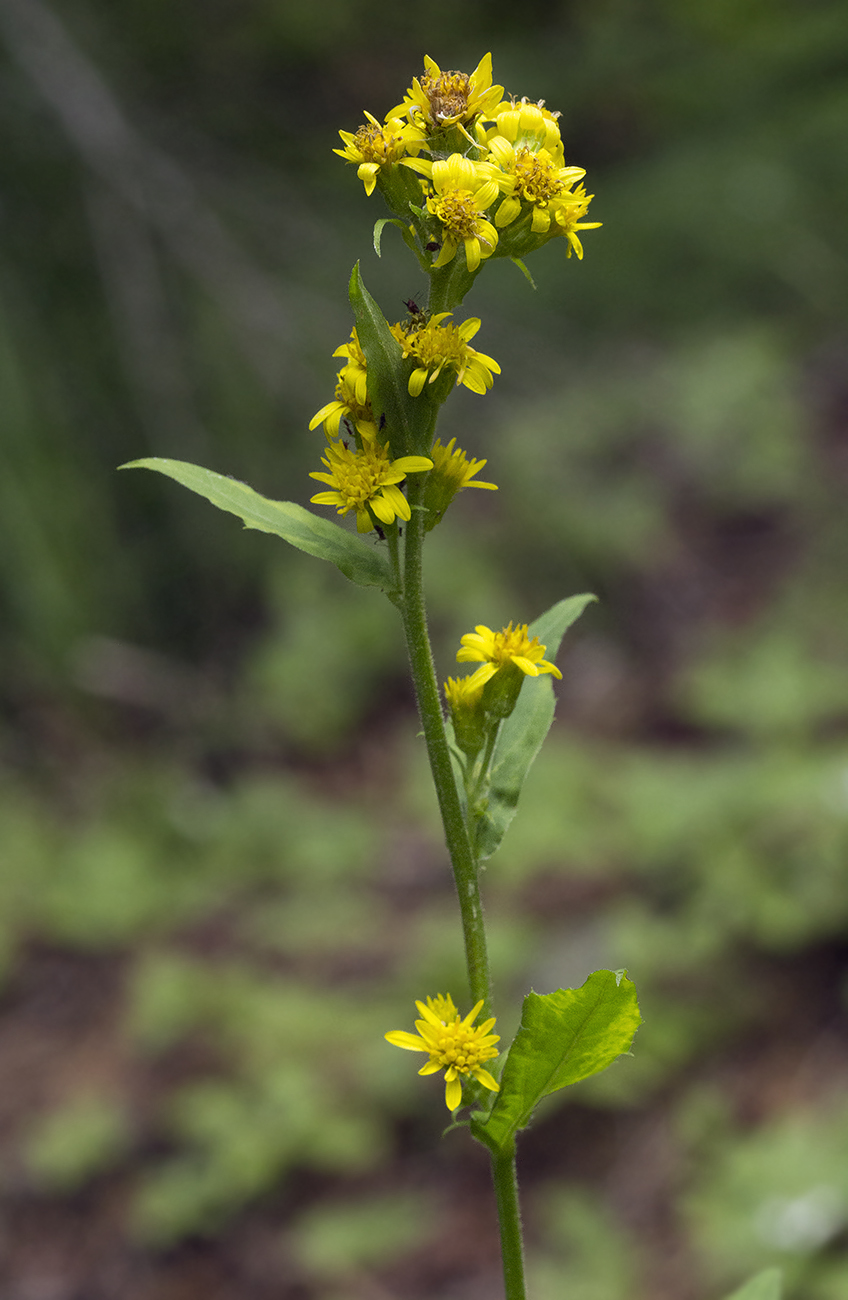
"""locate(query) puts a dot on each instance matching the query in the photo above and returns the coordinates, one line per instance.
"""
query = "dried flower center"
(448, 94)
(377, 144)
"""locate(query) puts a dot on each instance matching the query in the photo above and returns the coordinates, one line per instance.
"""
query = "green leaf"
(767, 1285)
(564, 1037)
(408, 421)
(523, 269)
(408, 237)
(358, 560)
(523, 732)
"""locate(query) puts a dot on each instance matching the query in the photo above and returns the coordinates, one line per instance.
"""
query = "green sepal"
(523, 732)
(322, 538)
(564, 1037)
(406, 421)
(767, 1285)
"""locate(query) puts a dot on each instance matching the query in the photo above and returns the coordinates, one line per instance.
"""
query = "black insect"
(432, 246)
(412, 307)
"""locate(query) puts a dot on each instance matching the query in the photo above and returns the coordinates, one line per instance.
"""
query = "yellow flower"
(462, 693)
(528, 124)
(437, 347)
(441, 99)
(356, 370)
(532, 176)
(452, 471)
(366, 481)
(351, 400)
(374, 146)
(567, 212)
(463, 190)
(498, 650)
(346, 407)
(456, 1046)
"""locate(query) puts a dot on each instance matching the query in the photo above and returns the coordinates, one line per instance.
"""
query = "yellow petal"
(453, 1094)
(483, 1076)
(400, 1038)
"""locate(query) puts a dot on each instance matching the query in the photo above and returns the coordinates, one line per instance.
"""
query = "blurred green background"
(222, 876)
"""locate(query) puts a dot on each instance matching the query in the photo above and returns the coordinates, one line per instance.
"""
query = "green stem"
(505, 1178)
(450, 283)
(430, 708)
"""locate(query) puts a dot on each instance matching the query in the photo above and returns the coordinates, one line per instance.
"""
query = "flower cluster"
(457, 1046)
(496, 182)
(362, 476)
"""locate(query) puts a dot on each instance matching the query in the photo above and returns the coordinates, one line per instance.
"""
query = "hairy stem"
(505, 1178)
(430, 708)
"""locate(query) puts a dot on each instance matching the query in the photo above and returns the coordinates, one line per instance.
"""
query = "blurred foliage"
(208, 772)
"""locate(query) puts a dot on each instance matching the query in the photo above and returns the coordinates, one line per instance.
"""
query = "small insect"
(432, 246)
(412, 307)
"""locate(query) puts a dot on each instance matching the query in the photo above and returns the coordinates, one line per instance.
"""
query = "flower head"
(566, 219)
(351, 401)
(464, 700)
(437, 347)
(462, 192)
(441, 99)
(452, 471)
(365, 480)
(495, 651)
(346, 407)
(374, 146)
(456, 1046)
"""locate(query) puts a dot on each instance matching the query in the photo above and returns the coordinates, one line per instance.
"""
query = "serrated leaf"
(564, 1037)
(322, 538)
(522, 734)
(408, 421)
(767, 1285)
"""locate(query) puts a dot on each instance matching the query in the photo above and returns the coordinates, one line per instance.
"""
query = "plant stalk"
(427, 695)
(505, 1178)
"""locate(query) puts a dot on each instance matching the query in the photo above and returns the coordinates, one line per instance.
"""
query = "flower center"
(448, 95)
(359, 474)
(514, 641)
(434, 347)
(536, 177)
(457, 211)
(376, 144)
(458, 1045)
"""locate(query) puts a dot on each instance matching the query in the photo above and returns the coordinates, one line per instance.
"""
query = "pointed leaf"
(408, 237)
(523, 732)
(407, 421)
(320, 537)
(564, 1037)
(767, 1285)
